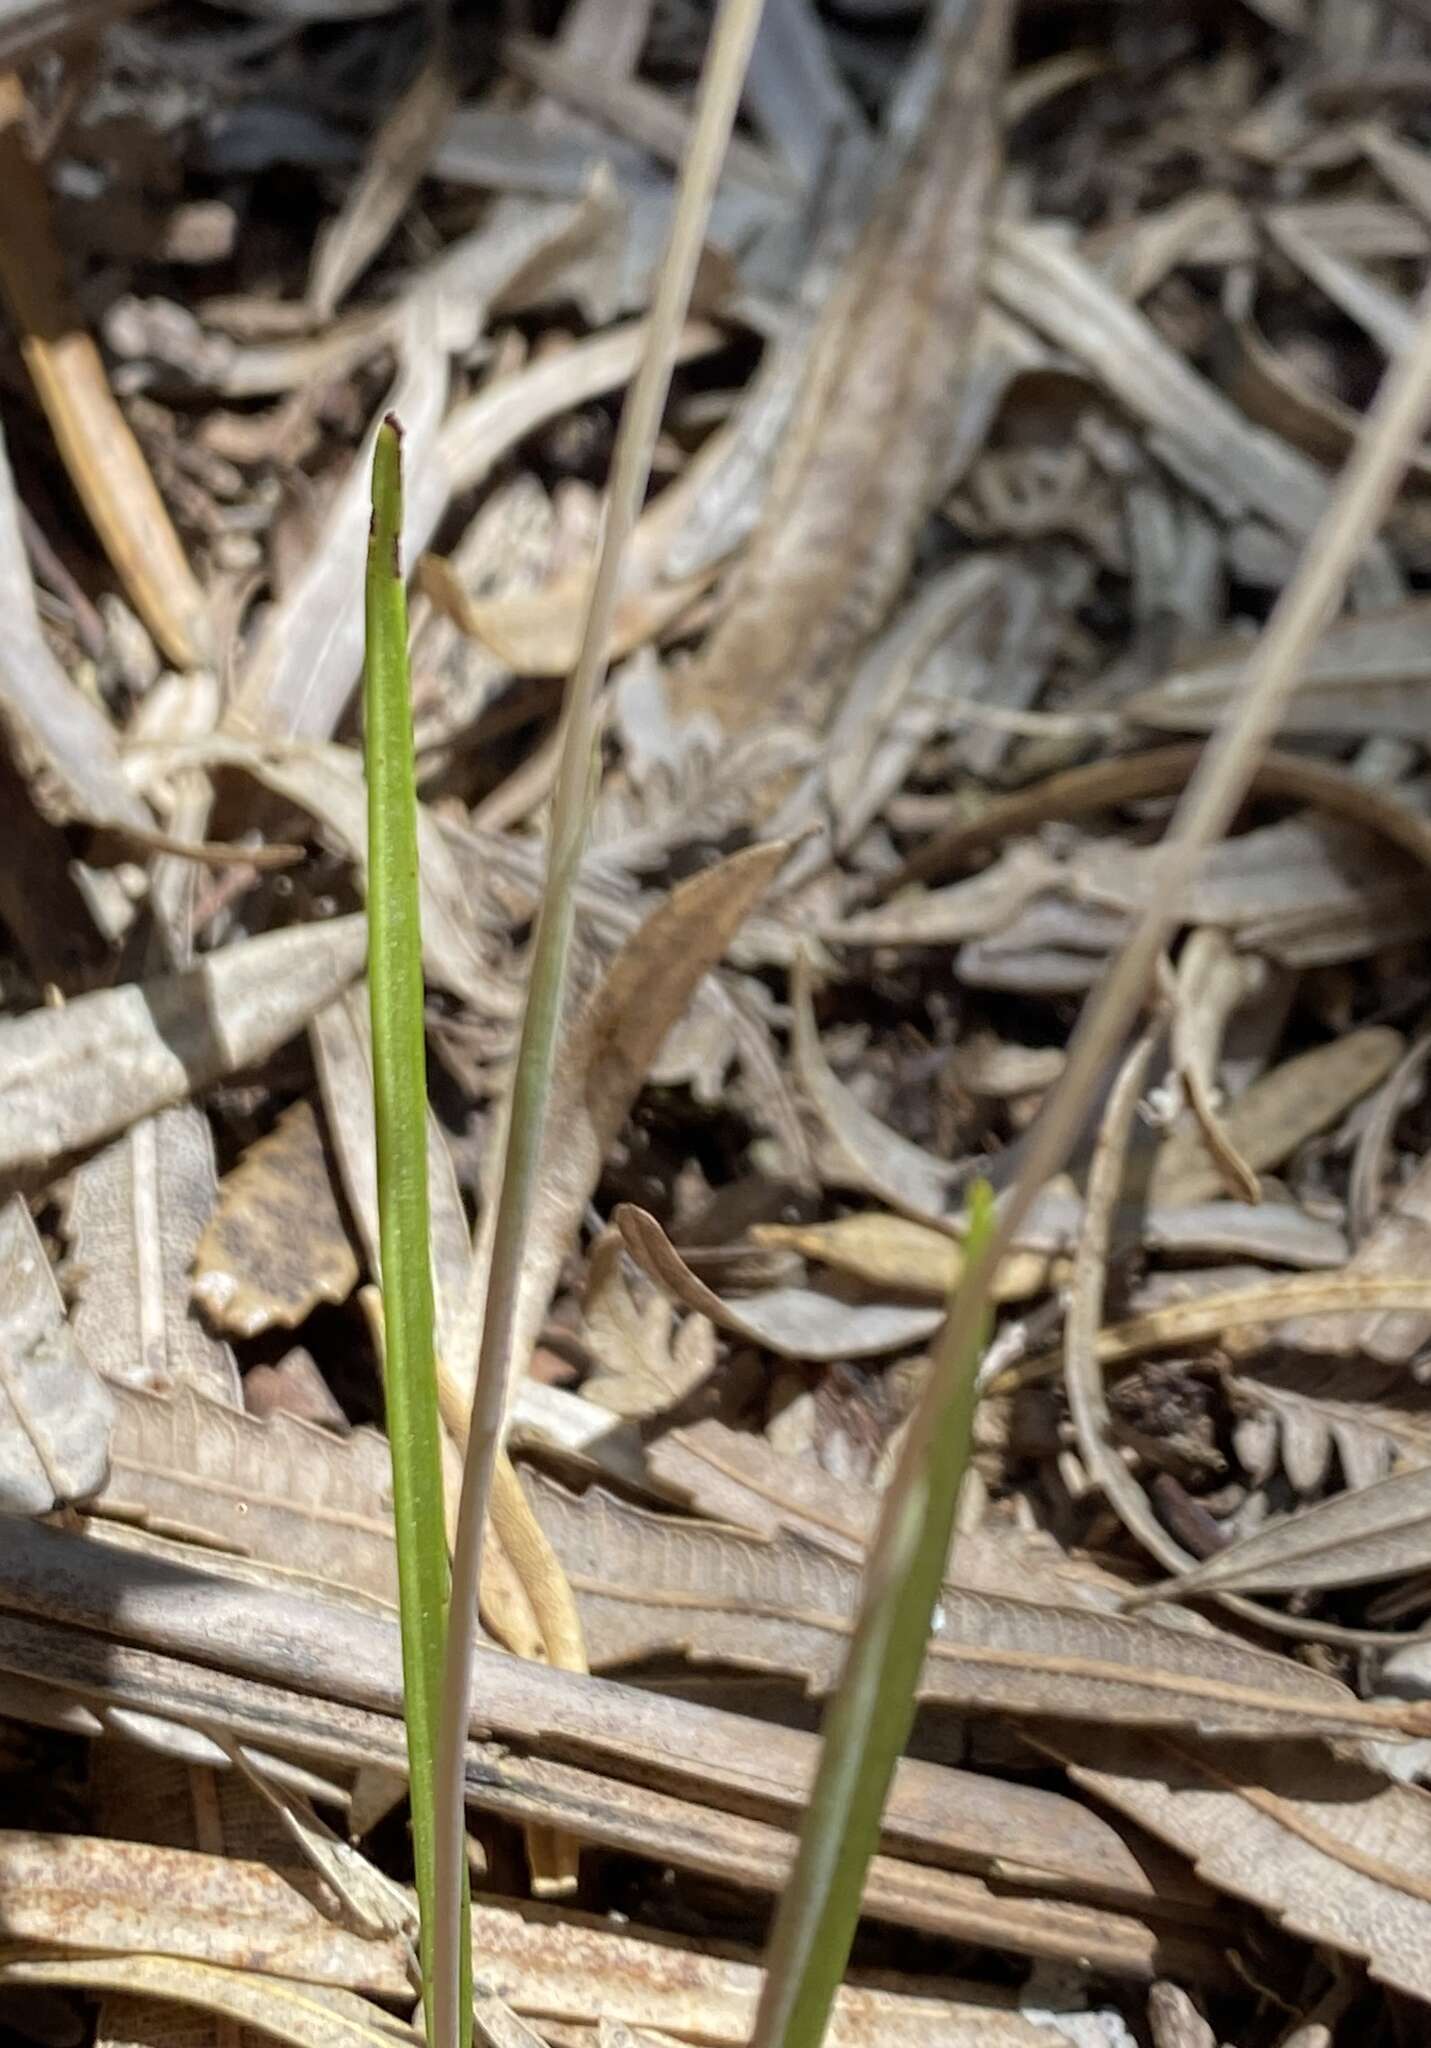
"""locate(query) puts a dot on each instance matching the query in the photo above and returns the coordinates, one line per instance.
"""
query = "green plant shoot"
(868, 1720)
(400, 1106)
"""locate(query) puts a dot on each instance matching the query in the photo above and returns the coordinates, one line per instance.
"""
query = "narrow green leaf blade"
(400, 1102)
(868, 1720)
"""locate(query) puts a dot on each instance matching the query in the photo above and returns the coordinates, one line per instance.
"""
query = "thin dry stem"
(722, 79)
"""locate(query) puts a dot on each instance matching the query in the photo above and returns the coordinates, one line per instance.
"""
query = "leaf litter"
(1021, 374)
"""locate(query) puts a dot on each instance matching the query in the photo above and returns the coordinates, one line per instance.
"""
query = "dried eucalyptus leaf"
(133, 1216)
(278, 1490)
(277, 1243)
(1367, 674)
(74, 1076)
(649, 1585)
(56, 1414)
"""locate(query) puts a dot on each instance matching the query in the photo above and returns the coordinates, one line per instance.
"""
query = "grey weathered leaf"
(1368, 674)
(56, 1415)
(133, 1215)
(59, 736)
(867, 438)
(1371, 1419)
(327, 781)
(309, 654)
(342, 1047)
(1209, 445)
(645, 1363)
(793, 1322)
(75, 1076)
(254, 1644)
(1373, 1532)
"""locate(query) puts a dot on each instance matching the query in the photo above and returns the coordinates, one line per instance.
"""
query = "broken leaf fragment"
(277, 1243)
(56, 1414)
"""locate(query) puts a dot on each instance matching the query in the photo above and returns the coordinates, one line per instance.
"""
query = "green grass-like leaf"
(400, 1103)
(868, 1721)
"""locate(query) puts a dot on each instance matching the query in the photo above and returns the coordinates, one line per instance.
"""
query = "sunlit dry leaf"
(1367, 1420)
(1302, 867)
(143, 1797)
(816, 579)
(606, 1053)
(479, 431)
(134, 1214)
(374, 202)
(1272, 389)
(895, 1251)
(1175, 2021)
(1269, 1120)
(275, 1489)
(649, 117)
(80, 1891)
(75, 1076)
(1329, 1849)
(1256, 1309)
(575, 1972)
(375, 1904)
(277, 1243)
(100, 453)
(793, 1322)
(304, 2015)
(644, 1365)
(647, 1585)
(56, 1415)
(983, 903)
